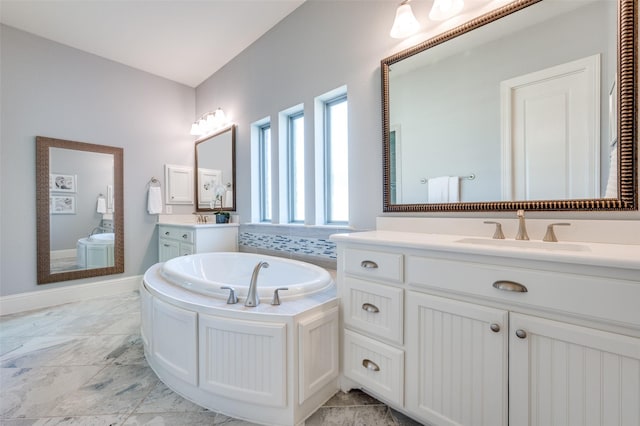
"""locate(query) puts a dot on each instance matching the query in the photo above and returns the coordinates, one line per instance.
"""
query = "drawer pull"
(184, 236)
(370, 308)
(369, 264)
(521, 333)
(166, 245)
(370, 365)
(167, 233)
(510, 286)
(495, 327)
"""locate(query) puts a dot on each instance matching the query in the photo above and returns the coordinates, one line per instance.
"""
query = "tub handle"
(370, 365)
(369, 264)
(233, 299)
(276, 296)
(370, 308)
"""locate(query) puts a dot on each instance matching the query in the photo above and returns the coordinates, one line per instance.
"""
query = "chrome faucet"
(522, 229)
(252, 296)
(93, 231)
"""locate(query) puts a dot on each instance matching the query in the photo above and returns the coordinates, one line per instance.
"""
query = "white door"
(563, 374)
(551, 133)
(456, 370)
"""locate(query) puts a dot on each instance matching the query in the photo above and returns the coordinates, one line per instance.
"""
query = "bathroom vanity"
(181, 239)
(457, 330)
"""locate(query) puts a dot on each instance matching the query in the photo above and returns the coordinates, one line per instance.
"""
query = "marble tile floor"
(82, 364)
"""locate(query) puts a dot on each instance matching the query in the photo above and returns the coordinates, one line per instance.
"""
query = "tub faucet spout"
(252, 296)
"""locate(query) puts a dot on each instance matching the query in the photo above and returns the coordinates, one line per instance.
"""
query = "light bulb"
(195, 129)
(445, 9)
(405, 23)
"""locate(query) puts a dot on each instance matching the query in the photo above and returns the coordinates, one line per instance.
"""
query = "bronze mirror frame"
(627, 122)
(231, 128)
(43, 217)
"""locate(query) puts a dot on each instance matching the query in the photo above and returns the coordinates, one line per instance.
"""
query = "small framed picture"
(62, 183)
(62, 204)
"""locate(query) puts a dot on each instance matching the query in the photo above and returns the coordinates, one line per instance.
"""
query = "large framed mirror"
(216, 171)
(531, 106)
(79, 201)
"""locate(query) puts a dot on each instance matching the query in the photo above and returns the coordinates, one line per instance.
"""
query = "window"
(264, 171)
(295, 162)
(336, 161)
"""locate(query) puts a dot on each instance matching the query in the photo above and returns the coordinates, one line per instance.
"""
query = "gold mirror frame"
(627, 122)
(43, 217)
(232, 129)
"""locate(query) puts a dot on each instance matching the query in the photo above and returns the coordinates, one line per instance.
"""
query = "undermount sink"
(523, 244)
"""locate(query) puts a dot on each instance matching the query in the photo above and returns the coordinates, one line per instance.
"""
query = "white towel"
(612, 183)
(444, 189)
(154, 202)
(101, 206)
(228, 199)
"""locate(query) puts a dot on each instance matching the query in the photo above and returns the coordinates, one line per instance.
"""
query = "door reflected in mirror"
(79, 198)
(215, 171)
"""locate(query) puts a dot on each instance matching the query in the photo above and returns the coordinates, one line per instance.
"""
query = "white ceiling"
(182, 40)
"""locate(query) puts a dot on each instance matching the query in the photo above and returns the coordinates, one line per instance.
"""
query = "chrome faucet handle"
(233, 299)
(522, 228)
(550, 235)
(276, 296)
(498, 234)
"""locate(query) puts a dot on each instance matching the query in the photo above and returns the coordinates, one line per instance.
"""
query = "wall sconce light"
(445, 9)
(405, 23)
(209, 122)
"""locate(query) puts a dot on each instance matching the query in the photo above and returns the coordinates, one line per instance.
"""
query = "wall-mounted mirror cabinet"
(531, 106)
(216, 172)
(80, 222)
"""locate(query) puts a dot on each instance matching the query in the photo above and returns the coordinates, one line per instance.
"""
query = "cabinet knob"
(184, 236)
(521, 333)
(167, 233)
(505, 285)
(370, 365)
(495, 327)
(369, 264)
(370, 308)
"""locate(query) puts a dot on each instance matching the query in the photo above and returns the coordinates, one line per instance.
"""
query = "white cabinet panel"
(179, 180)
(374, 308)
(377, 265)
(456, 363)
(174, 340)
(563, 374)
(243, 360)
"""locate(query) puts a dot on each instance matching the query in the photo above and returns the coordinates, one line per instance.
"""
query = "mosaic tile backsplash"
(320, 247)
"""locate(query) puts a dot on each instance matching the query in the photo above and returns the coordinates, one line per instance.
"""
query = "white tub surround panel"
(273, 365)
(459, 329)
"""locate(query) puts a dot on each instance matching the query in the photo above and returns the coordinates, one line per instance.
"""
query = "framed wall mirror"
(531, 106)
(216, 171)
(79, 200)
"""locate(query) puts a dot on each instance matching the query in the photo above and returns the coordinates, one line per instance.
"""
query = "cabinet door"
(179, 181)
(456, 372)
(563, 374)
(168, 249)
(186, 249)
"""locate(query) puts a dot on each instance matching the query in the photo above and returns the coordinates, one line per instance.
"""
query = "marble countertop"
(626, 256)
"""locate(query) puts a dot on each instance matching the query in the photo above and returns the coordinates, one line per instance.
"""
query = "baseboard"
(57, 296)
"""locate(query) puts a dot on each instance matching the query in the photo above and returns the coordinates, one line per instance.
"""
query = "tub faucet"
(522, 229)
(252, 296)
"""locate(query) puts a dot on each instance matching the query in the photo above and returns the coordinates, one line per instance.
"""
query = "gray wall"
(323, 45)
(52, 90)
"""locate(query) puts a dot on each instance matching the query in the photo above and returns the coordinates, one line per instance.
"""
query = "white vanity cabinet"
(461, 351)
(181, 239)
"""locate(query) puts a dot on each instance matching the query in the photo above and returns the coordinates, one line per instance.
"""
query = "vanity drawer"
(374, 264)
(180, 234)
(374, 365)
(588, 296)
(374, 308)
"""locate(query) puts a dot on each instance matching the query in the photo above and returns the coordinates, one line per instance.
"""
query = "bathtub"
(205, 273)
(95, 251)
(268, 364)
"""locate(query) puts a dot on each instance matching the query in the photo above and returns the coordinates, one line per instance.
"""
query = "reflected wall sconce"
(209, 122)
(445, 9)
(405, 23)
